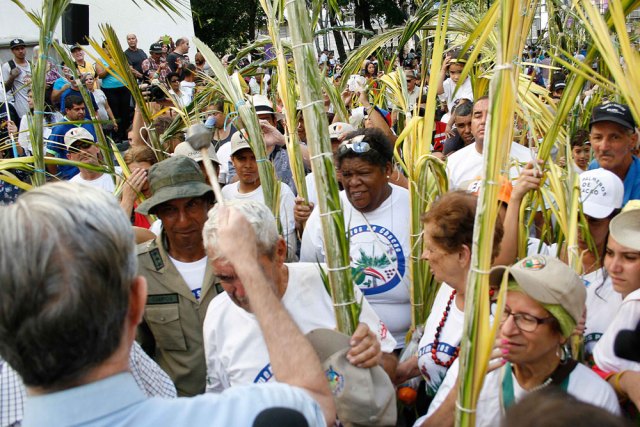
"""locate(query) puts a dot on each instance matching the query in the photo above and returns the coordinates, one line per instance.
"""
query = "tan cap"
(185, 149)
(625, 229)
(76, 134)
(363, 397)
(238, 142)
(550, 281)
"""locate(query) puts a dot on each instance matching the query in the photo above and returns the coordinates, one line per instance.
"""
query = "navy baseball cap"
(613, 112)
(17, 43)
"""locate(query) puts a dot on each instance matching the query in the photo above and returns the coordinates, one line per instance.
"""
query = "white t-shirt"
(449, 339)
(104, 182)
(287, 202)
(24, 137)
(380, 254)
(311, 189)
(602, 304)
(192, 273)
(187, 89)
(235, 350)
(584, 384)
(224, 156)
(101, 100)
(18, 93)
(465, 165)
(627, 318)
(465, 91)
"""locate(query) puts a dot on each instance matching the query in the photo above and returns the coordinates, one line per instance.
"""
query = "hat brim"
(595, 210)
(327, 342)
(616, 120)
(625, 229)
(532, 286)
(165, 194)
(240, 147)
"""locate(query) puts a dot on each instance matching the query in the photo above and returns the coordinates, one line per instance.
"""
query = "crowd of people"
(220, 297)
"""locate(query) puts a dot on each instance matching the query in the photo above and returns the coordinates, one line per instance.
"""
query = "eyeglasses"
(81, 145)
(525, 322)
(355, 144)
(175, 81)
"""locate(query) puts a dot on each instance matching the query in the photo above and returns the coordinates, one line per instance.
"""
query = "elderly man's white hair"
(258, 215)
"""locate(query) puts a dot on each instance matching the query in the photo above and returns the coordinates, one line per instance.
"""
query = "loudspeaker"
(75, 24)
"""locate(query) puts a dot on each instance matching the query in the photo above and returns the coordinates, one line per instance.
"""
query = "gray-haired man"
(71, 304)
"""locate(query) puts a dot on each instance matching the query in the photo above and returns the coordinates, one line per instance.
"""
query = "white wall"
(125, 17)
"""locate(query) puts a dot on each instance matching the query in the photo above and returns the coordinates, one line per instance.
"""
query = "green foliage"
(225, 26)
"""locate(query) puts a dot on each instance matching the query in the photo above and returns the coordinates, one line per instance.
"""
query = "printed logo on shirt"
(264, 375)
(377, 259)
(196, 293)
(443, 347)
(336, 381)
(383, 330)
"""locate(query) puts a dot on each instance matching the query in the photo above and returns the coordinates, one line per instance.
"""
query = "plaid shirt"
(151, 379)
(150, 67)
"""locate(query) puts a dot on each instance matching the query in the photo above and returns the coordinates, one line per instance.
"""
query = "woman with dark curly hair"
(376, 214)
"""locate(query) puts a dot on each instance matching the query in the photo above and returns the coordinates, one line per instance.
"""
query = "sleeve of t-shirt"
(311, 246)
(287, 202)
(59, 83)
(5, 71)
(368, 316)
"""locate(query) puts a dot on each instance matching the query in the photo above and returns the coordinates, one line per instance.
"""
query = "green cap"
(177, 177)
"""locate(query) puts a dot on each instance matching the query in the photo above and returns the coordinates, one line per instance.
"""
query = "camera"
(152, 92)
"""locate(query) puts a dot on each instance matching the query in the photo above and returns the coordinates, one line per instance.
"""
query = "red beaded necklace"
(436, 338)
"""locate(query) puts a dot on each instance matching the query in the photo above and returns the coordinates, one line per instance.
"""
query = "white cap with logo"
(601, 192)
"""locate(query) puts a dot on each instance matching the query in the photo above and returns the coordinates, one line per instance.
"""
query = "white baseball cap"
(601, 192)
(238, 142)
(185, 149)
(77, 134)
(339, 128)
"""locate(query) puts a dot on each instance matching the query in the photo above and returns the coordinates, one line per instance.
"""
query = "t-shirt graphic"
(377, 258)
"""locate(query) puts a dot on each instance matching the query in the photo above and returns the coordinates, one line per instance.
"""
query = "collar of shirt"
(80, 405)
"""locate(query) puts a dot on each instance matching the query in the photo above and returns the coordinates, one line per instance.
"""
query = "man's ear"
(137, 302)
(281, 250)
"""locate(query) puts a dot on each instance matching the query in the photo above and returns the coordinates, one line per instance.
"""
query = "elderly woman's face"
(445, 266)
(623, 265)
(540, 340)
(365, 184)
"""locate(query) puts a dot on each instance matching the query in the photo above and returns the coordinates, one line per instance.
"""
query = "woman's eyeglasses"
(525, 322)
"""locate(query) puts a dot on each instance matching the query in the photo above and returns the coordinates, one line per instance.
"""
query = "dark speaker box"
(75, 24)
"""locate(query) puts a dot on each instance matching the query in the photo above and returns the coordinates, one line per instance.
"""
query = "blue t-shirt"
(56, 147)
(109, 82)
(69, 92)
(59, 83)
(631, 180)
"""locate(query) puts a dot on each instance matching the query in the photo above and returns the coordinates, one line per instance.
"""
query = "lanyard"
(507, 397)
